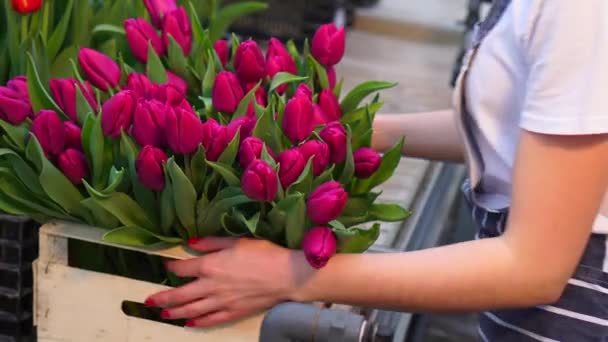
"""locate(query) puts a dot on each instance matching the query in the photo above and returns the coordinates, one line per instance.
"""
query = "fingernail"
(150, 303)
(190, 323)
(194, 241)
(165, 314)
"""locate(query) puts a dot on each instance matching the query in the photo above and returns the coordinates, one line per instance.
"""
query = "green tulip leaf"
(360, 113)
(208, 221)
(138, 237)
(227, 173)
(54, 183)
(293, 52)
(356, 240)
(39, 96)
(349, 164)
(197, 28)
(320, 72)
(388, 213)
(178, 63)
(167, 205)
(241, 109)
(57, 38)
(229, 13)
(251, 224)
(24, 201)
(107, 28)
(83, 108)
(102, 218)
(18, 134)
(23, 171)
(338, 88)
(360, 92)
(267, 157)
(284, 78)
(209, 78)
(116, 179)
(363, 140)
(229, 155)
(390, 162)
(184, 197)
(124, 208)
(155, 69)
(75, 71)
(198, 167)
(295, 224)
(235, 45)
(304, 182)
(326, 176)
(97, 148)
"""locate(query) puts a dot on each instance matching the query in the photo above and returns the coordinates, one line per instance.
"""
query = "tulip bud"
(64, 94)
(74, 165)
(19, 84)
(249, 62)
(319, 116)
(157, 10)
(26, 6)
(48, 129)
(141, 86)
(222, 49)
(227, 92)
(260, 182)
(319, 245)
(149, 167)
(214, 139)
(14, 107)
(319, 151)
(149, 123)
(139, 35)
(334, 136)
(328, 44)
(117, 114)
(303, 90)
(73, 136)
(183, 130)
(276, 48)
(367, 162)
(177, 24)
(99, 69)
(169, 95)
(177, 82)
(246, 124)
(329, 105)
(298, 119)
(292, 163)
(250, 150)
(326, 203)
(331, 76)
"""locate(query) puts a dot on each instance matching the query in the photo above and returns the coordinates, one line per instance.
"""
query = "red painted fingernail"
(165, 314)
(150, 303)
(194, 241)
(190, 323)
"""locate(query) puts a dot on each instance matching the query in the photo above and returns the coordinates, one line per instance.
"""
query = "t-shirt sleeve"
(566, 51)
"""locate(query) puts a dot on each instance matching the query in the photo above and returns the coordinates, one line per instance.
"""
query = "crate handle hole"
(139, 310)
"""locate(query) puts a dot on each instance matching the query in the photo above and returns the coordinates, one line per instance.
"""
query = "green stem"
(45, 20)
(24, 30)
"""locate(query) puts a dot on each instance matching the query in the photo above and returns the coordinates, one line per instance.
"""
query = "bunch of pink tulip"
(200, 138)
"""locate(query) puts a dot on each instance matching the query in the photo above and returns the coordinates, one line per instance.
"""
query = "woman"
(536, 143)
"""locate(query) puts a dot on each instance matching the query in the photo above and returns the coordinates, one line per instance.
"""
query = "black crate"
(288, 19)
(18, 248)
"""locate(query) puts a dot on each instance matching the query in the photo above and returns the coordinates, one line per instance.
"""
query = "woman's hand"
(238, 278)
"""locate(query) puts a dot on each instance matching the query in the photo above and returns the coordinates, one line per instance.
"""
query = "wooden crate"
(76, 305)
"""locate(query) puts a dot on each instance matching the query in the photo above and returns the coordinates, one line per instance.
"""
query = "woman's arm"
(429, 135)
(558, 185)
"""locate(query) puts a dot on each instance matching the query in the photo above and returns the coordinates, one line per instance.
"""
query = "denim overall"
(581, 314)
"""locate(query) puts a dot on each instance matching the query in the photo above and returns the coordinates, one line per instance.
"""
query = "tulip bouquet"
(199, 137)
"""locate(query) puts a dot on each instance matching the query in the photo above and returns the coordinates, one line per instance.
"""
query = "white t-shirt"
(543, 68)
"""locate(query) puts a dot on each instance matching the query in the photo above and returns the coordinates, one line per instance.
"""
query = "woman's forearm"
(429, 135)
(443, 279)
